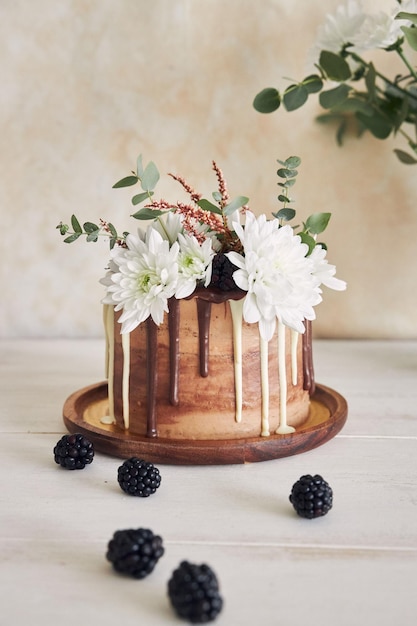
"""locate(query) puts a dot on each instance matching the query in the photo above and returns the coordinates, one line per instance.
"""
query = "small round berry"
(222, 273)
(73, 451)
(194, 593)
(134, 552)
(138, 477)
(311, 496)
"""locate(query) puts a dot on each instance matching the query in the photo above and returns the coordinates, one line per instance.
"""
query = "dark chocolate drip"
(151, 376)
(204, 313)
(308, 368)
(174, 349)
(212, 294)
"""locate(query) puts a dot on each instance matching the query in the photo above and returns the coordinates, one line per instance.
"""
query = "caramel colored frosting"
(207, 374)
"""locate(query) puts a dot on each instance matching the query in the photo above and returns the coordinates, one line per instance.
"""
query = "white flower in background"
(409, 6)
(325, 272)
(379, 30)
(339, 29)
(276, 274)
(142, 277)
(194, 264)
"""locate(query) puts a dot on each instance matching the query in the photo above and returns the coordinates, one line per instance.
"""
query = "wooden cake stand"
(84, 409)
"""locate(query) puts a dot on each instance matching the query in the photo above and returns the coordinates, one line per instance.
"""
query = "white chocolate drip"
(108, 316)
(263, 346)
(283, 427)
(294, 344)
(125, 379)
(236, 308)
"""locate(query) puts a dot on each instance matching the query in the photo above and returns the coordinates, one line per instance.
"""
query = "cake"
(207, 316)
(202, 374)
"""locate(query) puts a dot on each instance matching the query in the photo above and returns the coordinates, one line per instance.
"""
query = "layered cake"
(208, 314)
(205, 373)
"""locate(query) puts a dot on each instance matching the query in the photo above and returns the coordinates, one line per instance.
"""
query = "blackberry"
(221, 273)
(194, 593)
(138, 478)
(134, 552)
(73, 452)
(311, 496)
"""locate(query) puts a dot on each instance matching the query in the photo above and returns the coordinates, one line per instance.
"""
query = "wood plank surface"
(357, 565)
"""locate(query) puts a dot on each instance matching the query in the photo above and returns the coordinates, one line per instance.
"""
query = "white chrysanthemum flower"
(408, 6)
(142, 277)
(379, 30)
(338, 29)
(325, 272)
(169, 226)
(194, 264)
(277, 275)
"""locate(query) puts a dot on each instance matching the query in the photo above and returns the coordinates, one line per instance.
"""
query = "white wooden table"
(355, 566)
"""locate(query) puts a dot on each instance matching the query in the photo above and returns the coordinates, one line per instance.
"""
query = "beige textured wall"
(89, 84)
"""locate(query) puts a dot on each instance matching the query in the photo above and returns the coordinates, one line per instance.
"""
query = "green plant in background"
(358, 91)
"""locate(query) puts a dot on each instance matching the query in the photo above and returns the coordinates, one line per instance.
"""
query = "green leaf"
(284, 214)
(313, 83)
(288, 183)
(284, 172)
(72, 238)
(410, 33)
(309, 240)
(355, 105)
(291, 163)
(93, 236)
(89, 227)
(217, 196)
(235, 204)
(282, 198)
(139, 166)
(206, 205)
(149, 177)
(333, 97)
(295, 96)
(376, 124)
(404, 157)
(317, 222)
(147, 214)
(267, 100)
(334, 66)
(127, 181)
(112, 230)
(76, 225)
(403, 15)
(370, 80)
(63, 228)
(341, 132)
(140, 197)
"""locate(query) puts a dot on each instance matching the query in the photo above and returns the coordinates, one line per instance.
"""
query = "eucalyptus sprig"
(212, 214)
(315, 223)
(363, 94)
(90, 231)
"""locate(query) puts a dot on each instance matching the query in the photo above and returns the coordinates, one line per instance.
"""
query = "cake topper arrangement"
(218, 243)
(360, 96)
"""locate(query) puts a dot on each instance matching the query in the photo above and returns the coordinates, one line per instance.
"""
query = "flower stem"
(407, 63)
(387, 81)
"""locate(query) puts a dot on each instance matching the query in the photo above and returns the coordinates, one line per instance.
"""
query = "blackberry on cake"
(73, 451)
(138, 477)
(135, 552)
(194, 593)
(222, 273)
(311, 496)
